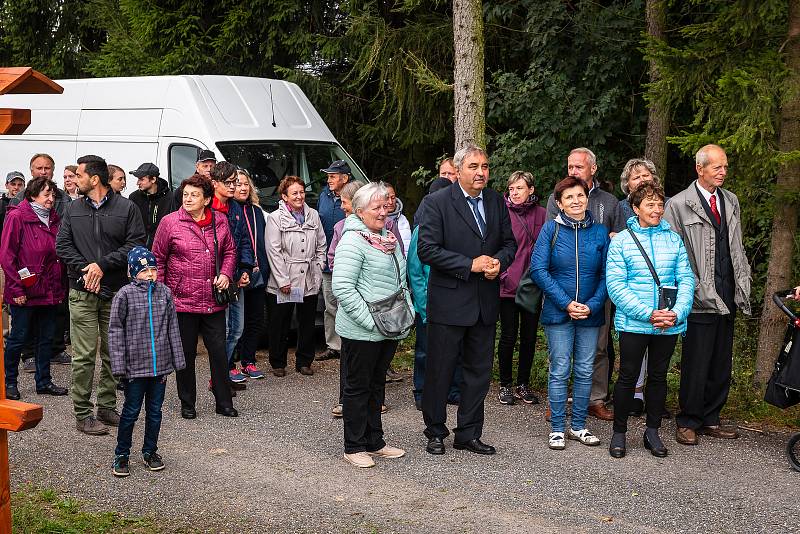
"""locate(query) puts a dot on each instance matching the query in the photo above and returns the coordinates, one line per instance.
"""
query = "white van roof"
(223, 108)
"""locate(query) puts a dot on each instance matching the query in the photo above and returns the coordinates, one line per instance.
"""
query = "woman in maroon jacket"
(184, 246)
(527, 218)
(34, 282)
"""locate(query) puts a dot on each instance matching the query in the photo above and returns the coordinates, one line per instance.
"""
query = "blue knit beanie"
(139, 258)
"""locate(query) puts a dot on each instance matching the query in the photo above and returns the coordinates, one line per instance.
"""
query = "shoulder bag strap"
(646, 257)
(216, 245)
(252, 231)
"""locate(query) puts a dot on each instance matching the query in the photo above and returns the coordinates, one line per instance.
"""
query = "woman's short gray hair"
(459, 156)
(367, 193)
(350, 188)
(628, 169)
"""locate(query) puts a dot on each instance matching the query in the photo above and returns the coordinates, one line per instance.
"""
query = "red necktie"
(714, 210)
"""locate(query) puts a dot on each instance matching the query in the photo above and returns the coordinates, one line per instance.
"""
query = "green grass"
(44, 511)
(745, 403)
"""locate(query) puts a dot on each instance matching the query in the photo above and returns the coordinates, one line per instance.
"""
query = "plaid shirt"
(135, 350)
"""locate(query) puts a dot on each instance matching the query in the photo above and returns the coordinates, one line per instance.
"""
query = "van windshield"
(269, 161)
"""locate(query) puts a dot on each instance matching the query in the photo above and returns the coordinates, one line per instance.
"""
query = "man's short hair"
(222, 170)
(449, 161)
(42, 155)
(589, 154)
(701, 157)
(95, 165)
(458, 158)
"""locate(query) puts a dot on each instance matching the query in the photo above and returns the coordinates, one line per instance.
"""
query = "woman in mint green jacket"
(369, 267)
(642, 321)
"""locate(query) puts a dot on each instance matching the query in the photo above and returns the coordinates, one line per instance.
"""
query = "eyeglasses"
(229, 183)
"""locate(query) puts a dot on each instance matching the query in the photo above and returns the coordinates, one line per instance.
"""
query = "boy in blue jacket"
(145, 346)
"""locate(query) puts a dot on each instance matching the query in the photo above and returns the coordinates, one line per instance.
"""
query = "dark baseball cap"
(206, 155)
(14, 175)
(339, 166)
(145, 169)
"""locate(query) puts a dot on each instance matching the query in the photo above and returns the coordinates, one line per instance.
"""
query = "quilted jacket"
(631, 286)
(363, 272)
(185, 255)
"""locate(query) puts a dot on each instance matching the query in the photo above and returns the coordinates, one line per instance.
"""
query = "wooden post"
(16, 416)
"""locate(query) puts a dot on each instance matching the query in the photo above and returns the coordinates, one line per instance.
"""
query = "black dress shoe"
(52, 389)
(656, 449)
(188, 413)
(12, 392)
(228, 412)
(435, 445)
(616, 452)
(476, 446)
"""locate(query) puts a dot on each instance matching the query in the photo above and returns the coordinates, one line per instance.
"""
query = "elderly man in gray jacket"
(708, 218)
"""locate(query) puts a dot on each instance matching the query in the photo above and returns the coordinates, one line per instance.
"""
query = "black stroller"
(783, 388)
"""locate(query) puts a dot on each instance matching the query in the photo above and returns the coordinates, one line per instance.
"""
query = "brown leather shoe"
(719, 432)
(686, 436)
(547, 414)
(600, 411)
(306, 371)
(279, 372)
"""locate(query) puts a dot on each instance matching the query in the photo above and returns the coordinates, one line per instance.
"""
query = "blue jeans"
(22, 320)
(573, 346)
(234, 316)
(420, 354)
(137, 392)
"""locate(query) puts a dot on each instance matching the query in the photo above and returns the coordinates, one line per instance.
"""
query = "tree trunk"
(468, 87)
(655, 148)
(784, 223)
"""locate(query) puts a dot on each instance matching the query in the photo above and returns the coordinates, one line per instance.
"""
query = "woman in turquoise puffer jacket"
(642, 326)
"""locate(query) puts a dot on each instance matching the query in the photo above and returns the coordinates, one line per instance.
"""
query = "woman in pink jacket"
(34, 282)
(184, 245)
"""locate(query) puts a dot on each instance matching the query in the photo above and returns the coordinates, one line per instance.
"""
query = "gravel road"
(279, 468)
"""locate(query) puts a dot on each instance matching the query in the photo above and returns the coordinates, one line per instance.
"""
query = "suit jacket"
(449, 239)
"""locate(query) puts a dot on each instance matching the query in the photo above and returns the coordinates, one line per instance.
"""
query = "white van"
(267, 126)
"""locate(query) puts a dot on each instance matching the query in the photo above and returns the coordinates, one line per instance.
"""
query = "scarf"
(41, 212)
(385, 244)
(299, 215)
(206, 220)
(219, 206)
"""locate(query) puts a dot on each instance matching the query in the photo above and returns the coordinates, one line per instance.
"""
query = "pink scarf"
(385, 244)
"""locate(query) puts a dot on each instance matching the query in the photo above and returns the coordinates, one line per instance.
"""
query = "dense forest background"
(559, 74)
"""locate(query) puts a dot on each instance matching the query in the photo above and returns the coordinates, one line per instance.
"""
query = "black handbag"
(529, 295)
(392, 315)
(221, 296)
(666, 295)
(783, 387)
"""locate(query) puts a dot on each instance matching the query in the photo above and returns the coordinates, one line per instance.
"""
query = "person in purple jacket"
(34, 282)
(145, 346)
(527, 219)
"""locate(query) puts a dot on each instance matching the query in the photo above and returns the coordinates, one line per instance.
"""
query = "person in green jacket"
(369, 267)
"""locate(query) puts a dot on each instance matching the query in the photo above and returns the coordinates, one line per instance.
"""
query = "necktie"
(714, 210)
(473, 201)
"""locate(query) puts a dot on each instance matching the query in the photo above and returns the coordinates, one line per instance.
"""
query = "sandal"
(584, 436)
(556, 441)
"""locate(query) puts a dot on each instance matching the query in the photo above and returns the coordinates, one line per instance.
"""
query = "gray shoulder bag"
(392, 315)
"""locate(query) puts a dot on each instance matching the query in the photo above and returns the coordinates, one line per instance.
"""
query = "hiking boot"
(393, 376)
(524, 393)
(236, 376)
(121, 467)
(92, 427)
(153, 461)
(29, 365)
(61, 358)
(252, 371)
(506, 396)
(108, 416)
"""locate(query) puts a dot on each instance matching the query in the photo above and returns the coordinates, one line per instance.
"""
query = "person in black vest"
(467, 241)
(708, 218)
(152, 198)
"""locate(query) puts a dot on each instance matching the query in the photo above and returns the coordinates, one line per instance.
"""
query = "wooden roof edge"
(25, 80)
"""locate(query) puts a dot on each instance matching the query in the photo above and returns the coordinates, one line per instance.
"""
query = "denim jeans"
(150, 392)
(24, 319)
(234, 317)
(420, 355)
(573, 346)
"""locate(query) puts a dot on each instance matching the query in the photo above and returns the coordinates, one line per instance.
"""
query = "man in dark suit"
(466, 239)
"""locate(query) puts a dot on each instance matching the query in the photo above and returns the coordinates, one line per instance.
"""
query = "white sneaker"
(584, 436)
(360, 459)
(556, 441)
(388, 452)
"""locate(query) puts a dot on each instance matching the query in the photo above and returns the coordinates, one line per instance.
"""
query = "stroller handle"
(778, 299)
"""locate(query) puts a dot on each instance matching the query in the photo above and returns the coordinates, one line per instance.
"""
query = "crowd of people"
(136, 282)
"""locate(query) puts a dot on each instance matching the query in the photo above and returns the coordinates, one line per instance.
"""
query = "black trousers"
(280, 318)
(364, 389)
(61, 319)
(212, 327)
(632, 348)
(254, 324)
(706, 365)
(477, 355)
(514, 319)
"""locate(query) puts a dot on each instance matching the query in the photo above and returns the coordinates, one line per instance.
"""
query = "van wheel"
(793, 451)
